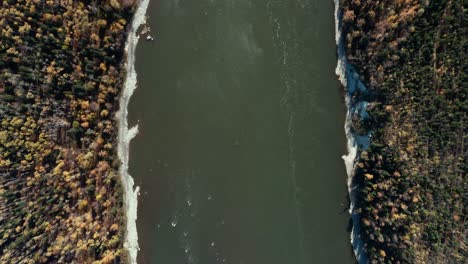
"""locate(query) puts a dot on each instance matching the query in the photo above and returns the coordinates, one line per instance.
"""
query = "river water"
(241, 132)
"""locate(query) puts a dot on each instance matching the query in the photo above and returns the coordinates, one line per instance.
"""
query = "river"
(240, 116)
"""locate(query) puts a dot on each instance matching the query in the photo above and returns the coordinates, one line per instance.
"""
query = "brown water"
(241, 134)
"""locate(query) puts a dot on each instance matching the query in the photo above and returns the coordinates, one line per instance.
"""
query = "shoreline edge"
(126, 134)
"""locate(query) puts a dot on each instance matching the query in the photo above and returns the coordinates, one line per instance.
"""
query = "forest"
(61, 70)
(412, 179)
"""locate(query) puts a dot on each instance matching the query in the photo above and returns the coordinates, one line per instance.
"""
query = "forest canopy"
(412, 179)
(61, 71)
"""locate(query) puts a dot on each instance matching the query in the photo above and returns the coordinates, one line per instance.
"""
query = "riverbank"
(126, 134)
(350, 82)
(409, 181)
(60, 76)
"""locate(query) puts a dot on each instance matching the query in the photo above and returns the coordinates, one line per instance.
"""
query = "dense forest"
(411, 180)
(61, 72)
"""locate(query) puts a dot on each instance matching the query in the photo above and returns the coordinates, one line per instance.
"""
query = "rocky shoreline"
(126, 134)
(351, 83)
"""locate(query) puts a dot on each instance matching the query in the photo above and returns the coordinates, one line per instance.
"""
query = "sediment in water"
(355, 143)
(126, 134)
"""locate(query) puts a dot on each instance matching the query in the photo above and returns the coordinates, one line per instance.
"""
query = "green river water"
(241, 134)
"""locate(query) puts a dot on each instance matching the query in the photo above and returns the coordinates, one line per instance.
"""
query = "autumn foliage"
(411, 54)
(60, 77)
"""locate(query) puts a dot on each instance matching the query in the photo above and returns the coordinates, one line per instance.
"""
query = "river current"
(240, 117)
